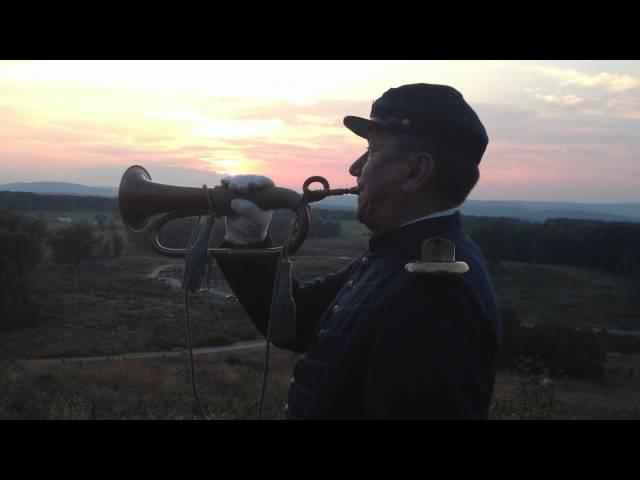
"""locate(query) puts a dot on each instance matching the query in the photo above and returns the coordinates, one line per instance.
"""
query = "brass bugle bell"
(140, 198)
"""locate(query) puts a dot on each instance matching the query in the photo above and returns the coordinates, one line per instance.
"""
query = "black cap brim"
(363, 126)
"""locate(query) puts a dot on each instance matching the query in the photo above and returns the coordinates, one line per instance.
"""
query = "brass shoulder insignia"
(438, 258)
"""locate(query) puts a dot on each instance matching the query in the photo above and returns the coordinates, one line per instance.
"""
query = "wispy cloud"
(560, 99)
(612, 82)
(556, 132)
(159, 172)
(592, 94)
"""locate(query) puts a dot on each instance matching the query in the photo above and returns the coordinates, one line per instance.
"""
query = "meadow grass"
(118, 309)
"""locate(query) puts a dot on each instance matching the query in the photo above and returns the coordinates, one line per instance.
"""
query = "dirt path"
(169, 275)
(196, 351)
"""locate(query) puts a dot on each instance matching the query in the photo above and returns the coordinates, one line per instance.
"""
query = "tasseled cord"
(198, 263)
(197, 274)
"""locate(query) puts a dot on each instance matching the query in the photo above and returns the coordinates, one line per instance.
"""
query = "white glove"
(251, 223)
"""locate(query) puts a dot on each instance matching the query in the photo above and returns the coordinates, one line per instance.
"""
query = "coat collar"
(415, 232)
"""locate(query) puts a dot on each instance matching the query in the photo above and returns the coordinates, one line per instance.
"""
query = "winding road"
(174, 282)
(173, 353)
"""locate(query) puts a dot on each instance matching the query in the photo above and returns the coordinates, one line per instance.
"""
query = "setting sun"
(86, 121)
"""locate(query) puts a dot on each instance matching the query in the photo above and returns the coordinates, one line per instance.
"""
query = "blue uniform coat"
(380, 343)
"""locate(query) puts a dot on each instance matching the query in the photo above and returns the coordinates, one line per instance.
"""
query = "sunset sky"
(558, 130)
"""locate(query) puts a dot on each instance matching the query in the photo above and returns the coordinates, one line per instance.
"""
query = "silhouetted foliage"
(558, 348)
(74, 244)
(102, 221)
(21, 250)
(33, 201)
(117, 243)
(323, 224)
(609, 246)
(620, 343)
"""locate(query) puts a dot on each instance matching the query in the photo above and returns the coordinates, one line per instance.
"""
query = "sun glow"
(86, 121)
(230, 163)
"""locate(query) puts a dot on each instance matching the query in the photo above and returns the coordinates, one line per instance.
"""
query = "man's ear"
(419, 172)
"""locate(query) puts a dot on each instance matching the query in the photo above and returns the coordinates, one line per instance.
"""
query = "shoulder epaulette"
(438, 258)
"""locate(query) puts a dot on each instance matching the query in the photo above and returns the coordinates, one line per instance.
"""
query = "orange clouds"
(556, 133)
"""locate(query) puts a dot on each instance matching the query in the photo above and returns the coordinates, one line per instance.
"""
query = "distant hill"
(523, 210)
(540, 211)
(59, 188)
(344, 202)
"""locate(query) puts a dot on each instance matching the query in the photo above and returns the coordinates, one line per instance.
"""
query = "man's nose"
(356, 167)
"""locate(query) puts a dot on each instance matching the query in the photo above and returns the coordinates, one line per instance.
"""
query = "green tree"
(495, 239)
(118, 244)
(22, 239)
(21, 250)
(102, 221)
(107, 248)
(73, 245)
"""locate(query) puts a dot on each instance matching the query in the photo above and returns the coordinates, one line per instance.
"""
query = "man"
(379, 342)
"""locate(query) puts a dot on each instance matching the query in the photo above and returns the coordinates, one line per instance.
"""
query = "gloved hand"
(251, 223)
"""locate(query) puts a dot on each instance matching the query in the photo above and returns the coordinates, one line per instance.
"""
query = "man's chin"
(361, 215)
(360, 210)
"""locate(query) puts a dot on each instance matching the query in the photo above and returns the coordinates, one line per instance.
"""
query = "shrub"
(558, 348)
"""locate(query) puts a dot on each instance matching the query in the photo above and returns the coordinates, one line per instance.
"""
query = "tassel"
(198, 264)
(283, 314)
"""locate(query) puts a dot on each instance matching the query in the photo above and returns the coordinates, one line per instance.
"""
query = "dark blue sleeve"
(251, 280)
(312, 299)
(432, 355)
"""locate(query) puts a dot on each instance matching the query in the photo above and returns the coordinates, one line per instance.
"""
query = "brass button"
(336, 308)
(365, 262)
(349, 285)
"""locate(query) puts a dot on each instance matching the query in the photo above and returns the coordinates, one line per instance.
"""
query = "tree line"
(22, 248)
(24, 201)
(610, 246)
(26, 242)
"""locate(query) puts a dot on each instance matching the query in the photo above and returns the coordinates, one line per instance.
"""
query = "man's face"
(381, 171)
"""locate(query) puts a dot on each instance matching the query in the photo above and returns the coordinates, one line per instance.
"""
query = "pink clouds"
(289, 165)
(580, 172)
(565, 145)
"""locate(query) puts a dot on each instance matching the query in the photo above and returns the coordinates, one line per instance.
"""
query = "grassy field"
(519, 397)
(75, 215)
(353, 228)
(228, 384)
(575, 296)
(118, 309)
(334, 247)
(229, 387)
